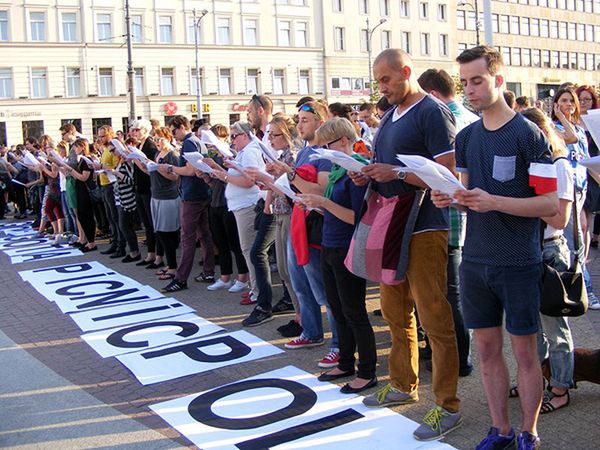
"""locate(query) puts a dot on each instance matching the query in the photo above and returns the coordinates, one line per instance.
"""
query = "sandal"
(161, 272)
(548, 407)
(166, 276)
(513, 392)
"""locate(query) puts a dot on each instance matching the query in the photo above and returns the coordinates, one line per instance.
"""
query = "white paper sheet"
(119, 147)
(282, 184)
(592, 123)
(151, 166)
(13, 180)
(197, 161)
(29, 160)
(431, 173)
(209, 137)
(339, 158)
(136, 154)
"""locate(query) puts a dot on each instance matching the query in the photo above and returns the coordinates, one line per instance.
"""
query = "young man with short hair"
(505, 164)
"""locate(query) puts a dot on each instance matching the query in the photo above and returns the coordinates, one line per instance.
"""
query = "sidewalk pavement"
(56, 392)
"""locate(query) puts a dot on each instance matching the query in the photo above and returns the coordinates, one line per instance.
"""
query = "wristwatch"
(170, 169)
(291, 175)
(401, 175)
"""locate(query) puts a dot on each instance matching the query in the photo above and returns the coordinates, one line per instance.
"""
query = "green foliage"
(375, 96)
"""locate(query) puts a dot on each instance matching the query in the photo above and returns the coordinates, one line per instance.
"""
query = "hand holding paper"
(431, 173)
(197, 160)
(151, 166)
(210, 138)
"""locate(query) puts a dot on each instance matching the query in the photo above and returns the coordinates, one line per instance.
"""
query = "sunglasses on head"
(306, 107)
(256, 98)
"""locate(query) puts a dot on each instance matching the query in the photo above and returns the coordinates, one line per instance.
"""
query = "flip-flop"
(161, 272)
(166, 276)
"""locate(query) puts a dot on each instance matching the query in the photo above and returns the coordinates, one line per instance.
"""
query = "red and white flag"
(542, 178)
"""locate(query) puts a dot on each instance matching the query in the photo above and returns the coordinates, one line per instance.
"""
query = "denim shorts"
(489, 292)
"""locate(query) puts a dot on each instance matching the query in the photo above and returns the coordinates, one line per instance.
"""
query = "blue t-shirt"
(322, 165)
(192, 188)
(427, 129)
(336, 232)
(575, 153)
(498, 162)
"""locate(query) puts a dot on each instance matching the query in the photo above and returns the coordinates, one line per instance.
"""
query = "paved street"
(57, 393)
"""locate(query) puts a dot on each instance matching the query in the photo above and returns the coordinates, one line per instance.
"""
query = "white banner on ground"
(196, 356)
(143, 336)
(128, 314)
(41, 252)
(287, 409)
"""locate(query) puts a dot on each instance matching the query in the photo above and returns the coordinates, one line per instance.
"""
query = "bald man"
(416, 124)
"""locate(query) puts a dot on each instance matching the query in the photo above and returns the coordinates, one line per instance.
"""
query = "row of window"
(289, 32)
(384, 8)
(554, 59)
(531, 26)
(587, 6)
(39, 82)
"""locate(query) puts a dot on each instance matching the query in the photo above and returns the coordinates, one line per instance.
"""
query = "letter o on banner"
(201, 407)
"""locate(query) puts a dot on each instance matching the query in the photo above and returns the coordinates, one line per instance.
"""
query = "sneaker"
(249, 300)
(290, 329)
(528, 441)
(174, 286)
(282, 307)
(593, 302)
(257, 317)
(495, 441)
(205, 278)
(330, 360)
(303, 342)
(389, 396)
(238, 286)
(437, 423)
(220, 284)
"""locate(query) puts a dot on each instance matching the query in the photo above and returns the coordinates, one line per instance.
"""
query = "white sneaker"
(220, 284)
(593, 302)
(238, 286)
(61, 239)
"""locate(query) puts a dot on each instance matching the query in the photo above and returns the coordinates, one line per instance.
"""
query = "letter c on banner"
(201, 407)
(238, 350)
(187, 329)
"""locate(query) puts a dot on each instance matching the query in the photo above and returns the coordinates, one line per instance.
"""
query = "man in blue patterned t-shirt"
(504, 162)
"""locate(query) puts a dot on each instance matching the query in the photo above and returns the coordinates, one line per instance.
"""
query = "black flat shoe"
(347, 389)
(78, 244)
(129, 259)
(326, 376)
(118, 254)
(144, 263)
(153, 265)
(108, 251)
(88, 249)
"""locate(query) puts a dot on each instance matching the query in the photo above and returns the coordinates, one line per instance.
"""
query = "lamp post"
(476, 10)
(196, 39)
(369, 49)
(130, 70)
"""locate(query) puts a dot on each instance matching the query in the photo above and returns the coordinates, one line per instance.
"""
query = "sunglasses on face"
(234, 136)
(307, 108)
(332, 142)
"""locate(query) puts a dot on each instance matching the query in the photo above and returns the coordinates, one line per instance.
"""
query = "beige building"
(66, 60)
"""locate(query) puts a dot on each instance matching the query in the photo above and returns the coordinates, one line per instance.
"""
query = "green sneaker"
(437, 423)
(388, 396)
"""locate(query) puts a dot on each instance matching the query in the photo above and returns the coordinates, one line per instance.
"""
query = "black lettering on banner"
(24, 243)
(201, 407)
(62, 280)
(82, 267)
(192, 350)
(66, 291)
(300, 431)
(40, 248)
(110, 298)
(116, 339)
(43, 255)
(137, 311)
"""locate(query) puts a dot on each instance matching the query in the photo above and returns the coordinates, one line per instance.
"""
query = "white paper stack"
(433, 174)
(196, 160)
(339, 158)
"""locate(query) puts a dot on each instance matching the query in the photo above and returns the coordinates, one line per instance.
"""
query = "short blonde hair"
(334, 129)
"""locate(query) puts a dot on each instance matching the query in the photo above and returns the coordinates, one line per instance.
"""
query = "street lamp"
(476, 9)
(196, 39)
(369, 49)
(130, 69)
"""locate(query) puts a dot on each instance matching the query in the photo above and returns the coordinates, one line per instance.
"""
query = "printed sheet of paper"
(431, 173)
(592, 123)
(339, 158)
(282, 184)
(209, 137)
(197, 160)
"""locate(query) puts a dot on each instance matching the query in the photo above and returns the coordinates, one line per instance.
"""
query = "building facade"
(66, 60)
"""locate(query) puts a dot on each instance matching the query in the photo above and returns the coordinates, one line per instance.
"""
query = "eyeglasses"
(234, 136)
(585, 100)
(332, 142)
(274, 135)
(306, 107)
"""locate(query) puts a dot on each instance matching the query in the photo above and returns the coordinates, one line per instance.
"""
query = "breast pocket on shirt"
(504, 168)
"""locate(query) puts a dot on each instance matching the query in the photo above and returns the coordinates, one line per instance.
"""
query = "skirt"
(71, 193)
(165, 214)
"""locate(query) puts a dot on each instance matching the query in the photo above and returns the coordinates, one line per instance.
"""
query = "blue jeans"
(265, 238)
(554, 339)
(307, 282)
(69, 215)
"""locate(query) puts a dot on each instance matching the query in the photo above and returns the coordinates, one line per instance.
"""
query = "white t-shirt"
(62, 181)
(565, 183)
(239, 197)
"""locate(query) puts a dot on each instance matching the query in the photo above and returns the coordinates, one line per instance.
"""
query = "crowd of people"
(260, 190)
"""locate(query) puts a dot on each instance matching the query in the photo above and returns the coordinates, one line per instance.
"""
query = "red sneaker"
(249, 300)
(302, 342)
(330, 360)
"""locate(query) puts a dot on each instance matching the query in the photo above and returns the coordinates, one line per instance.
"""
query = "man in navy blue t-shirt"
(504, 162)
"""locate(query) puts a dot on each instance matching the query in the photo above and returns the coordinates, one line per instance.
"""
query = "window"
(73, 81)
(581, 61)
(425, 50)
(193, 90)
(137, 36)
(514, 25)
(69, 27)
(461, 21)
(386, 39)
(304, 82)
(278, 81)
(165, 29)
(516, 56)
(590, 62)
(301, 34)
(339, 39)
(471, 20)
(536, 58)
(337, 5)
(443, 45)
(3, 25)
(284, 33)
(405, 41)
(504, 24)
(39, 83)
(462, 47)
(404, 8)
(225, 81)
(562, 30)
(564, 60)
(597, 32)
(554, 29)
(251, 81)
(223, 28)
(385, 7)
(364, 40)
(250, 35)
(363, 6)
(105, 82)
(423, 10)
(5, 82)
(32, 128)
(546, 58)
(97, 123)
(534, 27)
(525, 26)
(103, 27)
(572, 31)
(526, 57)
(167, 81)
(37, 26)
(589, 33)
(139, 81)
(581, 32)
(442, 11)
(572, 60)
(506, 55)
(544, 28)
(495, 23)
(555, 59)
